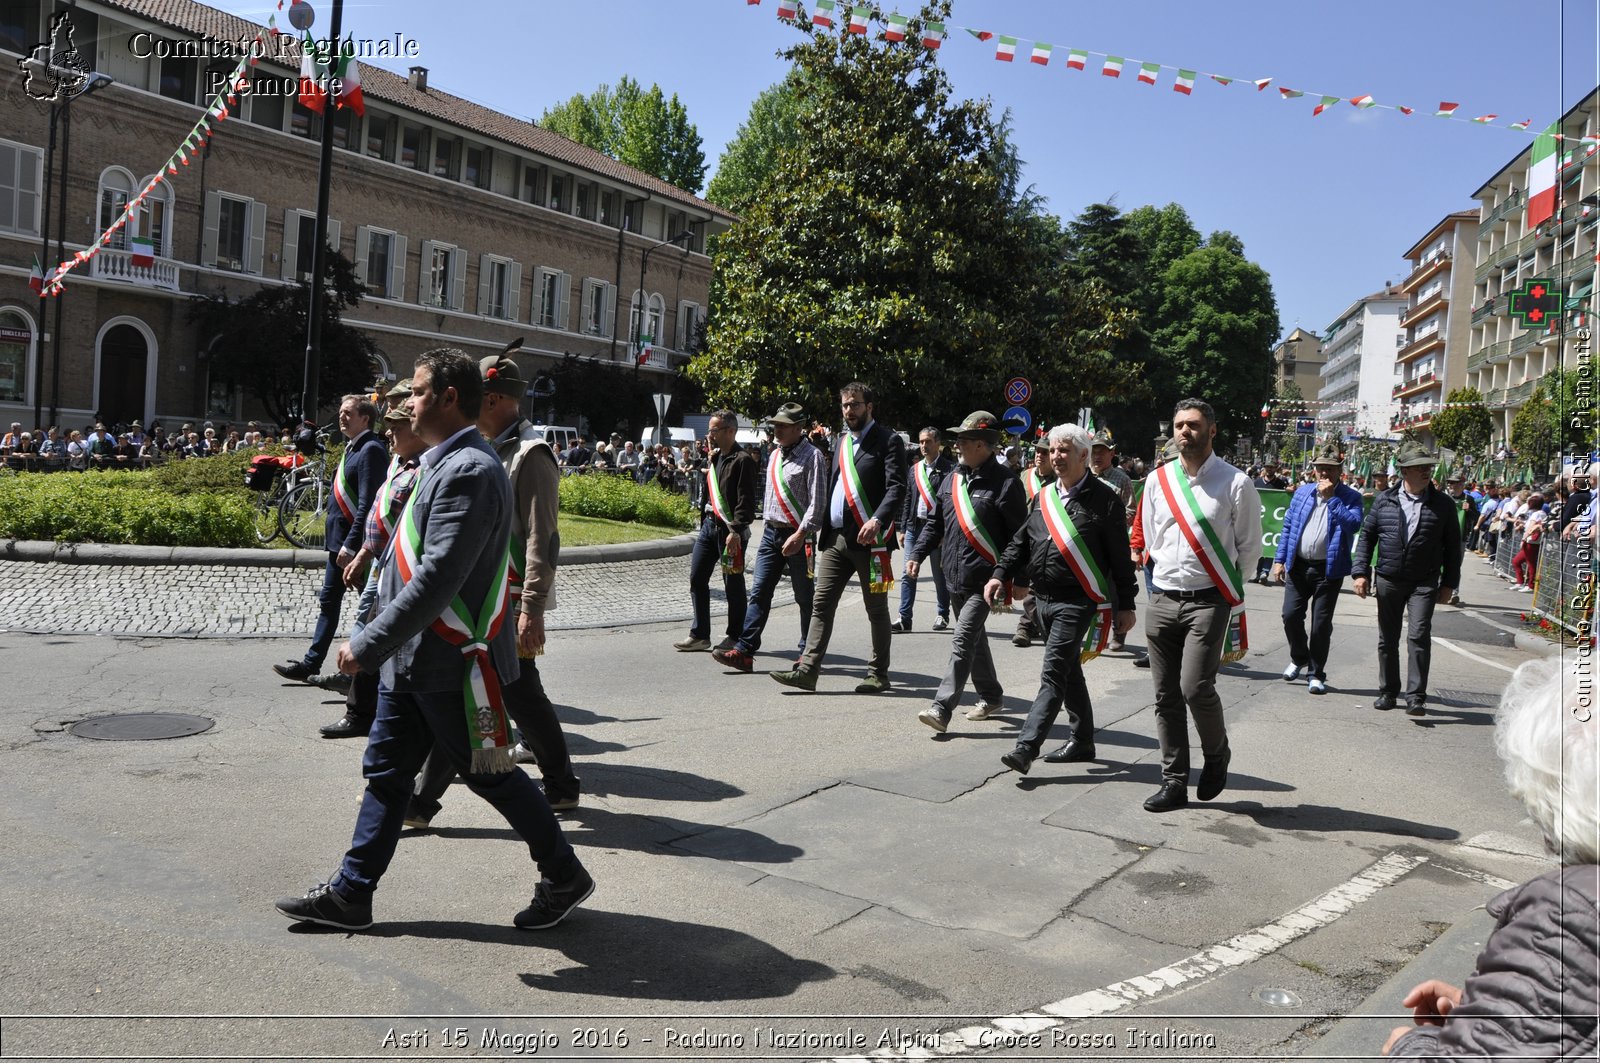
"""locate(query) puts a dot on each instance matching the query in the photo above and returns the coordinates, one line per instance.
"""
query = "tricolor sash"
(384, 511)
(1236, 643)
(341, 488)
(781, 493)
(1031, 482)
(1069, 540)
(1198, 532)
(925, 485)
(488, 731)
(967, 518)
(719, 501)
(880, 575)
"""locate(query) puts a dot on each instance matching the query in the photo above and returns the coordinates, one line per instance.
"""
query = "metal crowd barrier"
(1510, 542)
(1564, 588)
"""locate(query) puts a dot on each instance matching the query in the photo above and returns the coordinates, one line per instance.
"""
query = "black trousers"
(1413, 602)
(1309, 588)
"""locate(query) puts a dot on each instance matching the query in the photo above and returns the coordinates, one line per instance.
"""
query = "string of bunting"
(192, 145)
(824, 14)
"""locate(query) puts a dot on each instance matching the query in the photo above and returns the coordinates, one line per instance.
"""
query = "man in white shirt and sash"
(1202, 527)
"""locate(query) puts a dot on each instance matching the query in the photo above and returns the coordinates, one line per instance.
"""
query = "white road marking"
(1119, 996)
(1447, 644)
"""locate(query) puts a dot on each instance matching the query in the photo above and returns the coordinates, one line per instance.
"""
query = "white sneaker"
(1516, 586)
(1317, 686)
(1524, 590)
(1292, 672)
(521, 754)
(934, 718)
(984, 711)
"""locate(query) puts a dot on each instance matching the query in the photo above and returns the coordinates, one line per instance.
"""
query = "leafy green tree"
(1464, 425)
(886, 248)
(258, 343)
(1534, 430)
(643, 128)
(753, 154)
(1164, 235)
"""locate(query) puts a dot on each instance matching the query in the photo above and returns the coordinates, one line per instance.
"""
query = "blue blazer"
(462, 507)
(366, 463)
(1344, 521)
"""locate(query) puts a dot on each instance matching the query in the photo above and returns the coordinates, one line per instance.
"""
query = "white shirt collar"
(431, 456)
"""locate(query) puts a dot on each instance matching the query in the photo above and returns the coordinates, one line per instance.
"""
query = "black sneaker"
(552, 903)
(323, 905)
(299, 671)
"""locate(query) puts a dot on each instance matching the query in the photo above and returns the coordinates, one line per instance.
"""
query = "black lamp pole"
(308, 394)
(638, 331)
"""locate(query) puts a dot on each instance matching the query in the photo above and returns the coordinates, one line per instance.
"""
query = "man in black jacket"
(1416, 530)
(978, 509)
(866, 490)
(922, 489)
(733, 482)
(1074, 547)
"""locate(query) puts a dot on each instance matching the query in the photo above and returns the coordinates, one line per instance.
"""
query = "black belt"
(775, 526)
(1191, 596)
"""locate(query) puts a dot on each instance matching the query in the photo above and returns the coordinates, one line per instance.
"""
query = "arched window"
(16, 354)
(116, 189)
(152, 221)
(653, 318)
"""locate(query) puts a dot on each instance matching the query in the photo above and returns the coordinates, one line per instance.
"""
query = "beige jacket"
(535, 480)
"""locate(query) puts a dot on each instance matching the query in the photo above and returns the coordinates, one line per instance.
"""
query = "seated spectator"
(77, 452)
(53, 450)
(231, 444)
(149, 453)
(12, 439)
(210, 442)
(101, 445)
(194, 446)
(124, 455)
(1533, 992)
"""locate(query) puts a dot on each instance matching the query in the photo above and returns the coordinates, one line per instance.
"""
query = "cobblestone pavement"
(190, 601)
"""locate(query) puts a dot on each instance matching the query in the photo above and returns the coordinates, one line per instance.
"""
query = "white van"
(559, 436)
(675, 436)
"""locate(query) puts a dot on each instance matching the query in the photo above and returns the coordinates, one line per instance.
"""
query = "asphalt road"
(781, 874)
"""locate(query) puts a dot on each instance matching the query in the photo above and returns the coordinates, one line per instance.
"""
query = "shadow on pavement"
(1331, 818)
(1103, 769)
(657, 784)
(593, 828)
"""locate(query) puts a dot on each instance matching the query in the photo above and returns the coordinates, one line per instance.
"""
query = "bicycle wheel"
(303, 513)
(266, 511)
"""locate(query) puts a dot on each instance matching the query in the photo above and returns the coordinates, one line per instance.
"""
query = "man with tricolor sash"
(791, 513)
(733, 484)
(980, 506)
(1035, 477)
(355, 484)
(1074, 550)
(866, 490)
(443, 645)
(925, 475)
(1202, 526)
(535, 546)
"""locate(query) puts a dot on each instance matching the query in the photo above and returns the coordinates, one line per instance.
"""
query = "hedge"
(619, 498)
(120, 507)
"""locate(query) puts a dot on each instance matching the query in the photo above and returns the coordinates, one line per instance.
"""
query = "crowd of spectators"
(129, 446)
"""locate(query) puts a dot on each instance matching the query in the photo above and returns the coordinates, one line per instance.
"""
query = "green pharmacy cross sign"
(1535, 304)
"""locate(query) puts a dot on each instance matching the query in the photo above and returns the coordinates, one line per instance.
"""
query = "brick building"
(468, 226)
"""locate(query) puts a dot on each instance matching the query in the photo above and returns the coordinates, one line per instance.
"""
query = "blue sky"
(1327, 205)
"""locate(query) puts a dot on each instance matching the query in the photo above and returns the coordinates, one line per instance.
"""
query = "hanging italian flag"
(1113, 67)
(1262, 83)
(788, 8)
(823, 15)
(1220, 80)
(932, 35)
(1185, 82)
(1077, 58)
(315, 64)
(349, 75)
(1542, 176)
(1446, 110)
(1289, 94)
(1327, 101)
(858, 19)
(1524, 124)
(1404, 110)
(144, 251)
(1363, 102)
(896, 29)
(1006, 49)
(1148, 72)
(1485, 119)
(1041, 53)
(36, 277)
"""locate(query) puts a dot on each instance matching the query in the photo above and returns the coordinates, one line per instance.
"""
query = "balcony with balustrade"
(114, 264)
(1428, 267)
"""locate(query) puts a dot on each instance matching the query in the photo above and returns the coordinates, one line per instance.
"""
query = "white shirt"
(836, 503)
(431, 456)
(1314, 535)
(1231, 505)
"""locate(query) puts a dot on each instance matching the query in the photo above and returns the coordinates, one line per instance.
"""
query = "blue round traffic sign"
(1017, 420)
(1018, 391)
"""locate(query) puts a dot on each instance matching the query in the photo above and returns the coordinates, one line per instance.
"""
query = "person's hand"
(1430, 1002)
(794, 543)
(1276, 576)
(1124, 622)
(345, 556)
(1360, 586)
(1443, 595)
(869, 533)
(1325, 488)
(354, 572)
(992, 590)
(1138, 558)
(530, 632)
(347, 661)
(912, 568)
(732, 543)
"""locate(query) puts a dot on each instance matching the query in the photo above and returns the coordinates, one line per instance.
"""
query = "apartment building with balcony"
(1436, 325)
(1358, 371)
(1505, 360)
(1298, 359)
(469, 227)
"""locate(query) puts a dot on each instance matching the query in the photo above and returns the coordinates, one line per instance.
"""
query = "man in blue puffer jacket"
(1313, 559)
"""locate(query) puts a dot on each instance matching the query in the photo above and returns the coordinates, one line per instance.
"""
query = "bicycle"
(293, 502)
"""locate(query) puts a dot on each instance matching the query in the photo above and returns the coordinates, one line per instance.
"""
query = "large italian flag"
(1542, 176)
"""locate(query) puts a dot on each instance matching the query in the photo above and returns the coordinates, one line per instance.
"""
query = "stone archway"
(124, 364)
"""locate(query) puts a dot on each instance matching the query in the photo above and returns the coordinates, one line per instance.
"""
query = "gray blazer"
(462, 508)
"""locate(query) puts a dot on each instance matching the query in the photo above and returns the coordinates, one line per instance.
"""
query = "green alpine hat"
(1412, 453)
(1328, 454)
(980, 424)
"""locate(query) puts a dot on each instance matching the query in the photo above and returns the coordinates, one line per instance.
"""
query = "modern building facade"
(468, 227)
(1436, 324)
(1358, 371)
(1297, 359)
(1506, 361)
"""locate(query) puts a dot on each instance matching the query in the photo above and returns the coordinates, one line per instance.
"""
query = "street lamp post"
(638, 331)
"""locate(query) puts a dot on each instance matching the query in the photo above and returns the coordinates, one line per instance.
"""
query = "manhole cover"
(141, 726)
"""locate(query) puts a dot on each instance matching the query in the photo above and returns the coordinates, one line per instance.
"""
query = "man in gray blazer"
(434, 644)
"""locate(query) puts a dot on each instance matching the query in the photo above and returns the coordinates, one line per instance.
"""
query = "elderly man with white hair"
(1074, 547)
(1535, 991)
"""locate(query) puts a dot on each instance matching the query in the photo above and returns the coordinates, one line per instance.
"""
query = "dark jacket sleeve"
(894, 480)
(1362, 568)
(1013, 563)
(747, 483)
(371, 465)
(932, 528)
(1451, 517)
(1115, 533)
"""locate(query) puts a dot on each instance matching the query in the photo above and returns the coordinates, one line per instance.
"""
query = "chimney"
(419, 78)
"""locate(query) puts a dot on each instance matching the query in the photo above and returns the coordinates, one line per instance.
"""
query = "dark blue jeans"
(931, 565)
(329, 599)
(706, 559)
(770, 566)
(1061, 682)
(408, 725)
